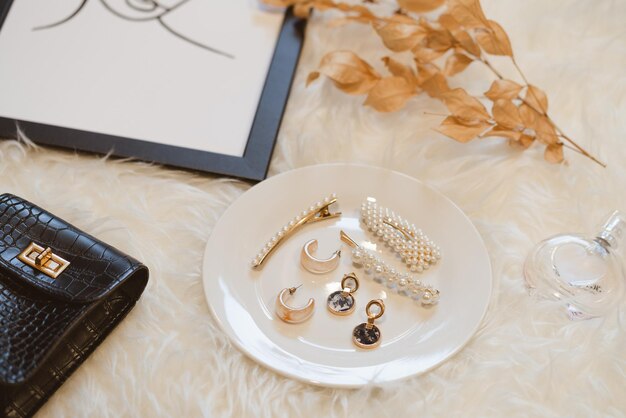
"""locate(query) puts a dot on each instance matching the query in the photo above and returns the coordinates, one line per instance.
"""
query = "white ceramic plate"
(320, 351)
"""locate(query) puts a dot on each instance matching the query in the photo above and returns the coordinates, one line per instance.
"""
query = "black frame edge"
(255, 162)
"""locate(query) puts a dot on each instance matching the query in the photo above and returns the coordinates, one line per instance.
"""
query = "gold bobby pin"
(317, 212)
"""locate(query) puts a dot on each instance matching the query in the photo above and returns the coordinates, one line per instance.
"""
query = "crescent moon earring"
(289, 314)
(318, 265)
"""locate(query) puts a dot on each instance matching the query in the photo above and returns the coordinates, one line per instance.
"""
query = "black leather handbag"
(62, 291)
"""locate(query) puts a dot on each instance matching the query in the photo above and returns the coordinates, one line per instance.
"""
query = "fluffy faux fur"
(168, 358)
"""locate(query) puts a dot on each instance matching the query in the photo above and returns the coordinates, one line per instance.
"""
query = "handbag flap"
(94, 270)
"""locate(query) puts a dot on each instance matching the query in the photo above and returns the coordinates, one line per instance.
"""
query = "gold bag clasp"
(44, 260)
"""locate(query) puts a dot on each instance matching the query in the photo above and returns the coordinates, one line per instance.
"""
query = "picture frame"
(254, 163)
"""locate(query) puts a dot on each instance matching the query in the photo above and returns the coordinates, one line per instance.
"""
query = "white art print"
(187, 73)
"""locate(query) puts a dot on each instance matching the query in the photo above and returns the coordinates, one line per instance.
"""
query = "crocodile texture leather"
(48, 327)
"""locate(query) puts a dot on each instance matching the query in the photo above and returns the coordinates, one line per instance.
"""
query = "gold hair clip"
(317, 212)
(381, 272)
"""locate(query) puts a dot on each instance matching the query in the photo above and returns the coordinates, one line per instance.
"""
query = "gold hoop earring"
(342, 302)
(289, 314)
(318, 265)
(367, 335)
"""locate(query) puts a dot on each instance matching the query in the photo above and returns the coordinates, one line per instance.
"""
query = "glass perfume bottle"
(585, 273)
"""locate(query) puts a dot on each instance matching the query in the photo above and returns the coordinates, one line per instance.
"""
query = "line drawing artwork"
(146, 10)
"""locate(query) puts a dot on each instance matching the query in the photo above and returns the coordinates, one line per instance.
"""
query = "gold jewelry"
(317, 265)
(289, 314)
(342, 302)
(379, 271)
(417, 251)
(316, 212)
(367, 335)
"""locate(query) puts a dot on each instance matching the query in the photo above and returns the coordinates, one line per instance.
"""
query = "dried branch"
(461, 35)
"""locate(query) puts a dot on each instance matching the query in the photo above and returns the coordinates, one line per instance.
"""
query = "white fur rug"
(169, 359)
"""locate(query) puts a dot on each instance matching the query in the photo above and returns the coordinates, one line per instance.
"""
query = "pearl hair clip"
(417, 251)
(379, 271)
(317, 212)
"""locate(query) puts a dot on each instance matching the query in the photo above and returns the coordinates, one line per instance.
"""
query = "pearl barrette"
(417, 251)
(316, 212)
(379, 271)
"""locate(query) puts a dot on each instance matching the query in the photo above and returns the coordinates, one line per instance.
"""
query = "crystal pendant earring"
(367, 335)
(585, 273)
(342, 302)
